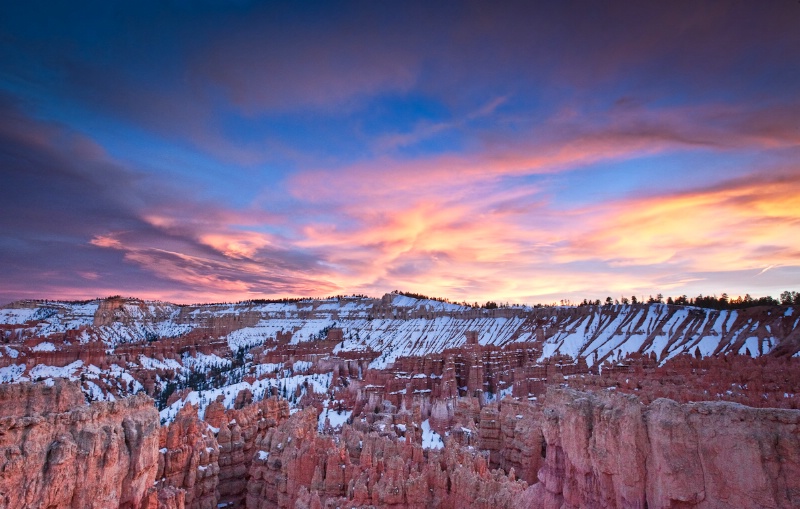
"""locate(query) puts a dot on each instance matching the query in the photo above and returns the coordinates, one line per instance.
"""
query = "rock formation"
(297, 467)
(58, 452)
(397, 403)
(189, 460)
(610, 451)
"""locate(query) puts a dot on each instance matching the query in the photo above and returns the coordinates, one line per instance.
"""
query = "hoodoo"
(397, 402)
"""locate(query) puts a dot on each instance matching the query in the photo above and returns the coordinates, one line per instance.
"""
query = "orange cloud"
(739, 226)
(239, 244)
(472, 227)
(108, 241)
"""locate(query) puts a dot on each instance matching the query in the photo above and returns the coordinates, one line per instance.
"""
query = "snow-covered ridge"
(397, 326)
(116, 347)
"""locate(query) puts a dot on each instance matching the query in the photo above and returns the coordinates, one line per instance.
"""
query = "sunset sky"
(521, 152)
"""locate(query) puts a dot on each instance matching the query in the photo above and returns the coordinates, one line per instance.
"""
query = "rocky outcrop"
(237, 435)
(407, 326)
(189, 460)
(761, 382)
(611, 451)
(512, 433)
(744, 457)
(476, 377)
(297, 467)
(58, 452)
(578, 449)
(204, 464)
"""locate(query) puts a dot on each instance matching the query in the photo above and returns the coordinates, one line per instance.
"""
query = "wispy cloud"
(250, 149)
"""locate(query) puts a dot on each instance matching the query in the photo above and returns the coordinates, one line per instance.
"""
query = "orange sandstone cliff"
(57, 452)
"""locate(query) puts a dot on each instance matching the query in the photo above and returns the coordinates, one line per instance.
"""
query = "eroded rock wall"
(57, 452)
(611, 451)
(295, 466)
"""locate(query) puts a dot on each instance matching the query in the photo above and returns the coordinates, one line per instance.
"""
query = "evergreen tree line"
(708, 301)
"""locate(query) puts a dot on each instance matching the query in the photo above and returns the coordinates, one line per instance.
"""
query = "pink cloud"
(739, 225)
(563, 143)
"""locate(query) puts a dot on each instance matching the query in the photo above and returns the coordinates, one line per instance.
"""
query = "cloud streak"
(230, 151)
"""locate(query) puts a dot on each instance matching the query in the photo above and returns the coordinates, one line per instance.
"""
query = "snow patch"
(430, 439)
(45, 346)
(336, 419)
(45, 371)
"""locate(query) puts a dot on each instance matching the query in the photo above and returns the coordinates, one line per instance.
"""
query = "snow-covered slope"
(207, 347)
(398, 326)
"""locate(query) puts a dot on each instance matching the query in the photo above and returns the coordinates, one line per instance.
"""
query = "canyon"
(397, 402)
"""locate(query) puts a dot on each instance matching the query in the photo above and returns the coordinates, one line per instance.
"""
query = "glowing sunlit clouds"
(107, 241)
(236, 244)
(474, 155)
(720, 229)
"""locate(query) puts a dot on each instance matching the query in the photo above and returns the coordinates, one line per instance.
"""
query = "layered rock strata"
(611, 451)
(57, 452)
(575, 449)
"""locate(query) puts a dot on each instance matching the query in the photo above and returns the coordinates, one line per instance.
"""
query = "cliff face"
(189, 460)
(57, 452)
(423, 407)
(394, 327)
(579, 449)
(203, 464)
(610, 451)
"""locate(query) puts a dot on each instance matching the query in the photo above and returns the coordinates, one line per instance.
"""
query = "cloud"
(358, 187)
(742, 224)
(75, 222)
(426, 130)
(567, 141)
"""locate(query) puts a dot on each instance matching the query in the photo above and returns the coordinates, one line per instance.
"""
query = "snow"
(267, 368)
(707, 345)
(150, 363)
(262, 455)
(301, 366)
(603, 343)
(336, 419)
(717, 327)
(659, 344)
(58, 317)
(418, 337)
(430, 439)
(12, 373)
(95, 393)
(318, 383)
(601, 331)
(202, 362)
(45, 371)
(731, 320)
(15, 316)
(401, 301)
(502, 393)
(45, 346)
(751, 344)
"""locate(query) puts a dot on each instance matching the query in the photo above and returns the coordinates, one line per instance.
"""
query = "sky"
(522, 152)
